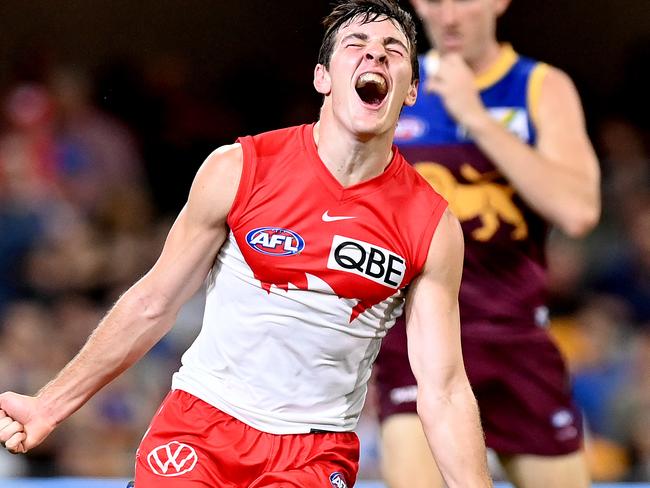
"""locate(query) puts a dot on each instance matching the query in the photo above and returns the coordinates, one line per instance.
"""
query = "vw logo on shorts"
(275, 241)
(173, 459)
(338, 480)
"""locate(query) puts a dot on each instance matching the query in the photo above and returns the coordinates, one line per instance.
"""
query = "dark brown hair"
(367, 11)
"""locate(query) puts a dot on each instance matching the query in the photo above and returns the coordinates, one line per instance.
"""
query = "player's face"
(467, 27)
(369, 77)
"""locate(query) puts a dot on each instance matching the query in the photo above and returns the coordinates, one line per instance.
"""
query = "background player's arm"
(445, 402)
(560, 177)
(142, 315)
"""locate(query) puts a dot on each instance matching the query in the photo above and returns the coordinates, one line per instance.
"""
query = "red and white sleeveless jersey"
(306, 285)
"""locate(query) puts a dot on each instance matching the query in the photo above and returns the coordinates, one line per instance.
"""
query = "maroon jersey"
(504, 272)
(516, 372)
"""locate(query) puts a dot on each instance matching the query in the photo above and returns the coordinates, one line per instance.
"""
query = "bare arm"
(143, 314)
(445, 402)
(560, 177)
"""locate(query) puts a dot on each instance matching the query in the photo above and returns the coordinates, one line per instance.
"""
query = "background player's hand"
(22, 426)
(454, 82)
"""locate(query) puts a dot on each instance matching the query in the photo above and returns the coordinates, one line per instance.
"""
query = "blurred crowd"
(93, 169)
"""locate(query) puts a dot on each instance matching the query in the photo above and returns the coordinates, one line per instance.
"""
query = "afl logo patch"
(337, 480)
(275, 241)
(410, 127)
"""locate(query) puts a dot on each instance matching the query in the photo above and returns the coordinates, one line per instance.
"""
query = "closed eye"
(395, 46)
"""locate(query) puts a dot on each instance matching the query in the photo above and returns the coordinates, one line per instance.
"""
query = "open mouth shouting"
(372, 88)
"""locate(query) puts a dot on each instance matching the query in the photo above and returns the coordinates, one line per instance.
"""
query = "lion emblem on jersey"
(490, 202)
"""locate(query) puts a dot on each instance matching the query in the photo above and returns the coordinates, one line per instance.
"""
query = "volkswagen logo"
(173, 459)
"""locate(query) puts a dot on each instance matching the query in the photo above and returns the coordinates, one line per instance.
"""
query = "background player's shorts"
(519, 379)
(191, 444)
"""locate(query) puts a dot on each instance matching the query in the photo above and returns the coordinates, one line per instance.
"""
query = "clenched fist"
(23, 425)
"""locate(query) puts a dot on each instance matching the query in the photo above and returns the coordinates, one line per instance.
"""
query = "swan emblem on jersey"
(483, 198)
(275, 241)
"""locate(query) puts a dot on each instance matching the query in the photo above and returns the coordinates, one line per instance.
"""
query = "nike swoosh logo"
(333, 218)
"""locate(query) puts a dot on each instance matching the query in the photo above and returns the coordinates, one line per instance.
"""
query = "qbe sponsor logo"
(172, 459)
(363, 259)
(275, 241)
(338, 480)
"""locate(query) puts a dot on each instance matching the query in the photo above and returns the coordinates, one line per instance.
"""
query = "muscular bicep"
(432, 314)
(199, 230)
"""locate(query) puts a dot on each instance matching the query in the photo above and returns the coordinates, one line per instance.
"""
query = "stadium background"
(108, 108)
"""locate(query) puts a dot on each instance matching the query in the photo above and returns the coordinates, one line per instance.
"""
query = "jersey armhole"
(534, 91)
(246, 181)
(429, 231)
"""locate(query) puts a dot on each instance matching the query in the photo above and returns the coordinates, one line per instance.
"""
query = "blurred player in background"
(502, 137)
(297, 233)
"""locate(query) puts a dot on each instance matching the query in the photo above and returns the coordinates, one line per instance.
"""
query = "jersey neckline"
(332, 184)
(506, 60)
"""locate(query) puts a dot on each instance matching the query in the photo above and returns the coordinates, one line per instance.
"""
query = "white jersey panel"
(283, 361)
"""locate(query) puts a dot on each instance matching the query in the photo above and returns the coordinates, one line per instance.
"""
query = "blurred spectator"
(631, 409)
(68, 260)
(595, 341)
(27, 181)
(98, 161)
(567, 261)
(624, 158)
(27, 362)
(28, 166)
(20, 229)
(627, 274)
(603, 366)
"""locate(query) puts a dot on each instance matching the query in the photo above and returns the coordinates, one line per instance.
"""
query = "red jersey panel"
(305, 288)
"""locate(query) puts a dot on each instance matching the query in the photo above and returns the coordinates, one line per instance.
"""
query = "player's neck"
(487, 58)
(351, 159)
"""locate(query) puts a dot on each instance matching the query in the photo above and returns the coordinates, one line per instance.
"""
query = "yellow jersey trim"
(506, 60)
(535, 90)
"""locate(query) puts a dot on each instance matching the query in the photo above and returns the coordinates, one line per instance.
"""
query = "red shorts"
(192, 444)
(519, 379)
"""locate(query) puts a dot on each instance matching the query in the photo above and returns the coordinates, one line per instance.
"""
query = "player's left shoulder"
(555, 97)
(555, 86)
(446, 249)
(556, 80)
(222, 168)
(449, 232)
